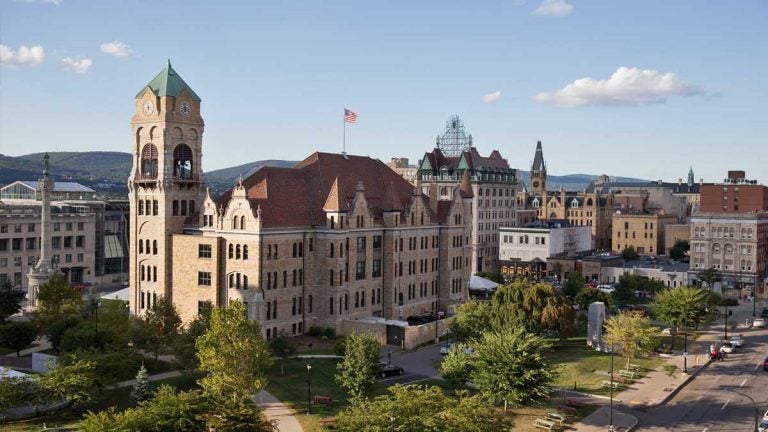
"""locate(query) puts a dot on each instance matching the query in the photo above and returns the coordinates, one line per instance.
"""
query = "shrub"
(329, 332)
(340, 347)
(315, 331)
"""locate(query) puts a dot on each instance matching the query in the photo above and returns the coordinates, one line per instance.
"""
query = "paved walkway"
(152, 378)
(276, 411)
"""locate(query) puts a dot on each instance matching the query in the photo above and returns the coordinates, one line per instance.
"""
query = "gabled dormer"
(335, 212)
(360, 211)
(239, 216)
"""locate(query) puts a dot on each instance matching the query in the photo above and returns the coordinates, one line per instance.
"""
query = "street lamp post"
(726, 321)
(610, 428)
(685, 347)
(754, 405)
(309, 388)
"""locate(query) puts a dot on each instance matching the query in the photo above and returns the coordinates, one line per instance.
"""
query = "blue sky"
(670, 83)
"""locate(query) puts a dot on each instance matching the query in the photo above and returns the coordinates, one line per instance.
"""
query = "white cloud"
(627, 86)
(80, 66)
(492, 97)
(25, 56)
(554, 8)
(116, 48)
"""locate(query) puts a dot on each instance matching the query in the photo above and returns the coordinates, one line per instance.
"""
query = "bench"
(621, 379)
(544, 424)
(609, 384)
(322, 400)
(567, 409)
(627, 374)
(555, 417)
(329, 422)
(634, 367)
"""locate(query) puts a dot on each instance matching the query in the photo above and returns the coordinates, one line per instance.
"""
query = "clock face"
(149, 108)
(185, 108)
(535, 184)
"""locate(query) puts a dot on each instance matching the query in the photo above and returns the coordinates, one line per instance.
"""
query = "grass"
(118, 397)
(584, 369)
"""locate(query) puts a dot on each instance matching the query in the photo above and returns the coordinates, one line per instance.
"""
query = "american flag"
(349, 116)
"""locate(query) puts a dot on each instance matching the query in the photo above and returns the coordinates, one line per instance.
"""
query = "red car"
(765, 364)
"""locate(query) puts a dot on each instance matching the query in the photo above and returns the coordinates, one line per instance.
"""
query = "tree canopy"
(10, 299)
(233, 353)
(679, 249)
(416, 408)
(630, 254)
(632, 333)
(683, 306)
(356, 374)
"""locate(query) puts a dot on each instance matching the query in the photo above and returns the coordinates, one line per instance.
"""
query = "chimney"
(679, 182)
(701, 181)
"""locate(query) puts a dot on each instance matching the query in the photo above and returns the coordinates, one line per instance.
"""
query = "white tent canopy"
(482, 284)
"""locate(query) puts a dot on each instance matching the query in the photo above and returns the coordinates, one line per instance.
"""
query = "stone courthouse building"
(336, 237)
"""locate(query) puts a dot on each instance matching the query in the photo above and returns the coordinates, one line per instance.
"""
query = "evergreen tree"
(140, 390)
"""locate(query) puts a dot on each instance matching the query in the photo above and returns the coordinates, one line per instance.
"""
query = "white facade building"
(541, 241)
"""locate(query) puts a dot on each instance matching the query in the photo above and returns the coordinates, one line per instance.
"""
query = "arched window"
(149, 161)
(154, 247)
(141, 247)
(182, 162)
(242, 222)
(589, 202)
(231, 280)
(245, 252)
(237, 252)
(231, 251)
(146, 246)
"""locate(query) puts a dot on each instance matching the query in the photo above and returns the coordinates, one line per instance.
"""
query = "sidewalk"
(601, 419)
(151, 378)
(277, 411)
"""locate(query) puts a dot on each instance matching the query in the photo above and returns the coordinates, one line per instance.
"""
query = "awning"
(482, 284)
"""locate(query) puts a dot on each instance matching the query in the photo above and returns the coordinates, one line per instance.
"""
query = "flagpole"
(344, 136)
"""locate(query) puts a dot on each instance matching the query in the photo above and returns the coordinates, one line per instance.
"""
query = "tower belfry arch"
(454, 140)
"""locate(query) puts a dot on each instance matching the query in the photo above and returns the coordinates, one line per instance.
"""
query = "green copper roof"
(169, 83)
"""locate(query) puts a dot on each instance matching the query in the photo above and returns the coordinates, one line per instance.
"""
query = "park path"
(277, 411)
(151, 378)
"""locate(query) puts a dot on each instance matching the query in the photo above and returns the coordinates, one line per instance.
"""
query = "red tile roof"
(296, 196)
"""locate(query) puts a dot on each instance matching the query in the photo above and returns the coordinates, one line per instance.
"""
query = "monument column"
(42, 271)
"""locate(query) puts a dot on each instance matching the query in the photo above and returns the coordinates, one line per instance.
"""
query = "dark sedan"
(388, 370)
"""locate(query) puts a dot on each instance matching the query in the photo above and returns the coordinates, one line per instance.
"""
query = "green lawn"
(585, 369)
(119, 398)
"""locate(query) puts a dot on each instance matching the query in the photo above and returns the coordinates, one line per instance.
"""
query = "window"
(361, 244)
(68, 241)
(245, 252)
(182, 162)
(68, 226)
(31, 243)
(80, 257)
(80, 226)
(360, 270)
(154, 208)
(376, 268)
(31, 227)
(204, 278)
(80, 241)
(204, 251)
(149, 161)
(57, 226)
(175, 208)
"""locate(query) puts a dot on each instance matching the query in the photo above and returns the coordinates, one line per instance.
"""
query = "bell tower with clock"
(165, 185)
(538, 172)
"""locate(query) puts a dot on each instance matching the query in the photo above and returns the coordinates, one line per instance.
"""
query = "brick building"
(643, 231)
(335, 238)
(734, 194)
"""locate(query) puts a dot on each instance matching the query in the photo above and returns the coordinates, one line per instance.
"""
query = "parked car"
(759, 323)
(446, 348)
(729, 302)
(727, 348)
(763, 426)
(608, 289)
(737, 341)
(764, 314)
(672, 331)
(387, 370)
(765, 368)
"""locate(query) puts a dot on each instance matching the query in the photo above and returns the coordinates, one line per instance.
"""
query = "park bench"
(329, 422)
(627, 374)
(609, 384)
(322, 400)
(544, 424)
(566, 409)
(621, 379)
(634, 367)
(555, 417)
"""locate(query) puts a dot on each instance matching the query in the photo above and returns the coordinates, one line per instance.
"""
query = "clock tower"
(165, 186)
(538, 172)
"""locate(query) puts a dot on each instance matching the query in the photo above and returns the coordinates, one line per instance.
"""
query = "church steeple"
(538, 171)
(690, 177)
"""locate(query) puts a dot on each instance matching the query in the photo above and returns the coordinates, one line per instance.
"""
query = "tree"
(236, 416)
(573, 285)
(455, 368)
(587, 296)
(560, 319)
(681, 307)
(357, 372)
(415, 408)
(17, 335)
(510, 366)
(629, 283)
(522, 304)
(140, 390)
(492, 276)
(630, 254)
(14, 392)
(10, 299)
(282, 348)
(679, 249)
(59, 306)
(162, 322)
(632, 333)
(73, 381)
(557, 270)
(184, 345)
(233, 353)
(471, 320)
(710, 276)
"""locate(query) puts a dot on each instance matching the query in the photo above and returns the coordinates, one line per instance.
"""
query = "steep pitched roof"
(466, 186)
(169, 83)
(298, 196)
(538, 159)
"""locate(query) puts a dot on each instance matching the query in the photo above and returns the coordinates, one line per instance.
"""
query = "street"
(718, 399)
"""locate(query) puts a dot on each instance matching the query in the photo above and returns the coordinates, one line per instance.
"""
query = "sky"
(640, 89)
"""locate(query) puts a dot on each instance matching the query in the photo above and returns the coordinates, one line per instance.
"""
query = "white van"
(606, 288)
